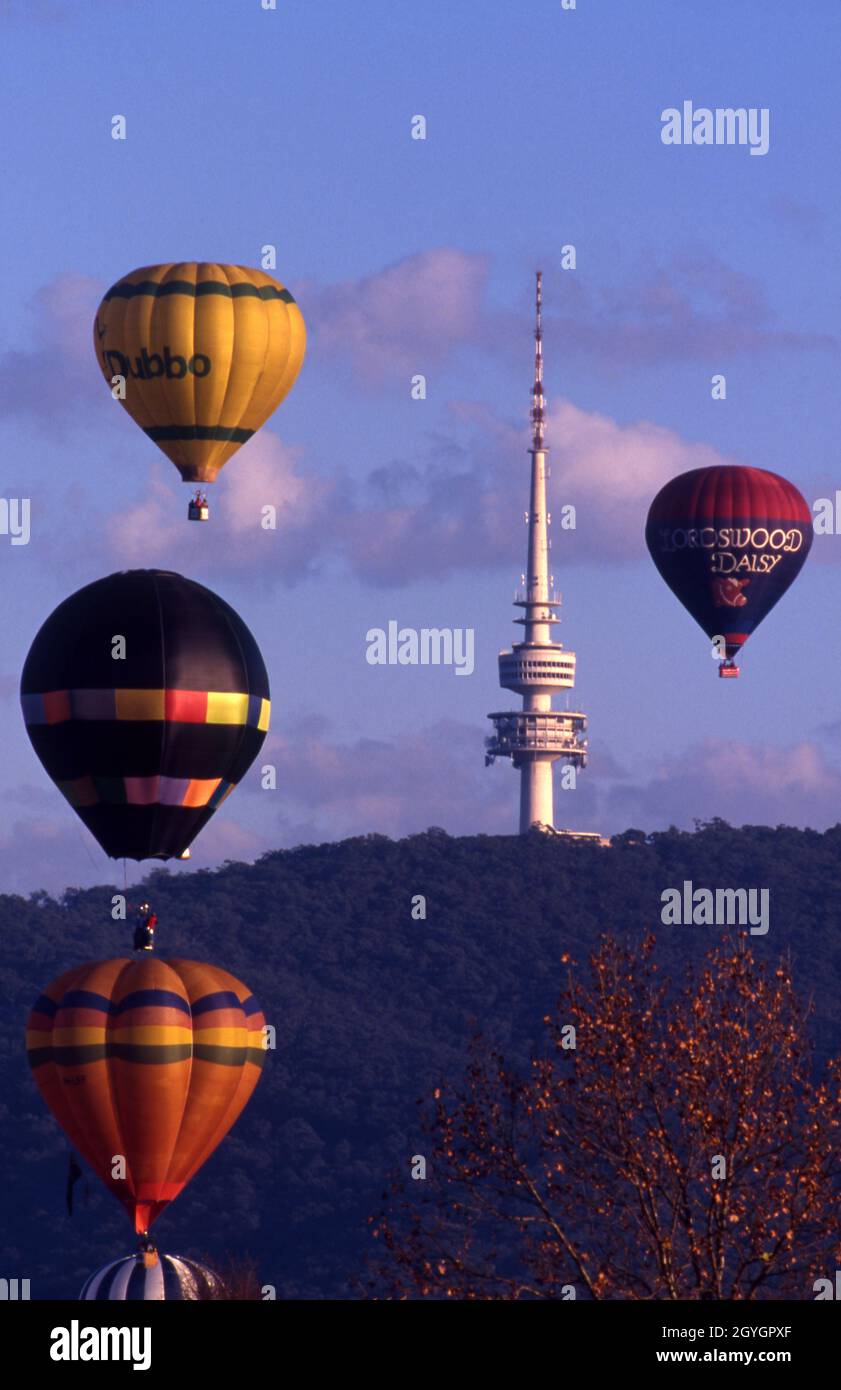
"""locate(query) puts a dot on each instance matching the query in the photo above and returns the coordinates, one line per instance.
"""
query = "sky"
(292, 127)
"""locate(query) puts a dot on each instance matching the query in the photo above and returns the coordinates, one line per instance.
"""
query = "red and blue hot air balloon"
(729, 540)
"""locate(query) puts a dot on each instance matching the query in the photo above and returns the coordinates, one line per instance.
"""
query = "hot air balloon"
(207, 353)
(150, 1060)
(729, 540)
(170, 1277)
(146, 699)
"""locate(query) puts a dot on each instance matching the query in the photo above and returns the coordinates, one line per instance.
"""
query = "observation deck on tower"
(537, 736)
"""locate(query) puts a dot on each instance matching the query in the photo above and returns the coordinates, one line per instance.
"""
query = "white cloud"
(403, 319)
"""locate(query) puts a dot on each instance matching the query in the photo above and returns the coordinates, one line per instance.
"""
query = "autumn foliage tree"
(672, 1142)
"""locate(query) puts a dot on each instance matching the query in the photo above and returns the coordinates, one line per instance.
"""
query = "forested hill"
(372, 1008)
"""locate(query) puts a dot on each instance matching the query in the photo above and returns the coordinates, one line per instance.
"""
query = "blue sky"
(292, 127)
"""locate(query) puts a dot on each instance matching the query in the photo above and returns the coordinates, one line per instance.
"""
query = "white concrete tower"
(537, 736)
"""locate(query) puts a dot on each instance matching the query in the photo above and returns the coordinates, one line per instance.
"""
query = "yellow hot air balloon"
(207, 353)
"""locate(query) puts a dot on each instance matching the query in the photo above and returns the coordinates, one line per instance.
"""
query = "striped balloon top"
(170, 1277)
(147, 1015)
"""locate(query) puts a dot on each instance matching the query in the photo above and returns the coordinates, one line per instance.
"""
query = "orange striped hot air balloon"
(148, 1061)
(205, 353)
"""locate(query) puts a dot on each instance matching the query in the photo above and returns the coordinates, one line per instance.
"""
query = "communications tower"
(537, 736)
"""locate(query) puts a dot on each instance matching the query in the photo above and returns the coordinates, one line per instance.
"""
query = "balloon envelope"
(207, 353)
(171, 1277)
(145, 746)
(150, 1060)
(729, 540)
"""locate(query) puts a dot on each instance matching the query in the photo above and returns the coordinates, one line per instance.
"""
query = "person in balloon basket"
(198, 509)
(144, 932)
